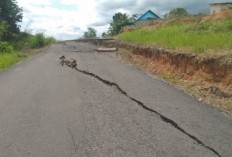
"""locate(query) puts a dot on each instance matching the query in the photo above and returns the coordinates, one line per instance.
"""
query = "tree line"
(11, 38)
(10, 16)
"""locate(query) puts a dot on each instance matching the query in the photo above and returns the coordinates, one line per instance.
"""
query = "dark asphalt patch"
(72, 64)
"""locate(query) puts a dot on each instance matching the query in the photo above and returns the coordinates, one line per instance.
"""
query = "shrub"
(49, 40)
(39, 40)
(21, 40)
(3, 29)
(5, 48)
(177, 12)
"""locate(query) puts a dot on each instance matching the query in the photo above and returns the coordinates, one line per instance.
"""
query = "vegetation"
(230, 7)
(119, 21)
(11, 15)
(104, 35)
(197, 37)
(12, 41)
(39, 40)
(177, 12)
(9, 54)
(3, 29)
(90, 33)
(9, 59)
(5, 48)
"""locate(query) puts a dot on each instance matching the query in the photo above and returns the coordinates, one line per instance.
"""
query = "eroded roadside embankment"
(206, 76)
(212, 69)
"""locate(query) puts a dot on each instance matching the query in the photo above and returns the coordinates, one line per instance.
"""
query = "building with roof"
(219, 7)
(148, 18)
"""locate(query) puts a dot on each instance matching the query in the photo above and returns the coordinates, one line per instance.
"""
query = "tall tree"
(178, 12)
(120, 20)
(3, 29)
(104, 34)
(90, 33)
(11, 14)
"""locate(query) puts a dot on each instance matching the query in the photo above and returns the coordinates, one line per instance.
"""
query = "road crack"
(73, 140)
(117, 87)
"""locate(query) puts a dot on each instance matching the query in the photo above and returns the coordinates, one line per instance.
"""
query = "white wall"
(216, 8)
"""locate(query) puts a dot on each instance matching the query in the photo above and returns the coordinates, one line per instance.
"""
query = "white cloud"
(59, 22)
(35, 3)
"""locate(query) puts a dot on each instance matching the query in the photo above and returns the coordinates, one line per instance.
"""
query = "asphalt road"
(103, 108)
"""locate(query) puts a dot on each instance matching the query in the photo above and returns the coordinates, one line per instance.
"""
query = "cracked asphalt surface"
(49, 110)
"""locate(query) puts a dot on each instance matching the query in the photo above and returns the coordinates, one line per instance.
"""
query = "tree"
(120, 20)
(90, 33)
(3, 29)
(178, 12)
(11, 14)
(104, 34)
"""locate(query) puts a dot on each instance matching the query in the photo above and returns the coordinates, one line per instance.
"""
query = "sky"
(69, 19)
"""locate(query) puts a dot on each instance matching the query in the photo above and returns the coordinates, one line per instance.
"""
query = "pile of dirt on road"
(208, 76)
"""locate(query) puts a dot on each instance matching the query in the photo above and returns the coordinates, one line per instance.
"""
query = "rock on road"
(49, 110)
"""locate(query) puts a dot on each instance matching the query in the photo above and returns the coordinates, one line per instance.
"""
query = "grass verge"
(9, 59)
(23, 42)
(194, 37)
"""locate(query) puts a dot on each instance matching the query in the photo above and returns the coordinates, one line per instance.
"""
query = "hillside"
(190, 35)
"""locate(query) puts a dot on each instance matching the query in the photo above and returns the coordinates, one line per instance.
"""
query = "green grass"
(9, 54)
(39, 40)
(33, 41)
(9, 59)
(197, 37)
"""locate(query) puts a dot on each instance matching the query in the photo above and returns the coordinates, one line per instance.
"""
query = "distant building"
(149, 18)
(219, 7)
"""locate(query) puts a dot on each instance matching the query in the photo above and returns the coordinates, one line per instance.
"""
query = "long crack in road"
(96, 105)
(73, 64)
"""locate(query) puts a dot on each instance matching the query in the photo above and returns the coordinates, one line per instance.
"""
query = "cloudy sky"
(68, 19)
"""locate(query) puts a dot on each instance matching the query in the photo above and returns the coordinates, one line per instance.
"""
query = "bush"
(177, 12)
(49, 40)
(3, 29)
(5, 48)
(39, 40)
(21, 40)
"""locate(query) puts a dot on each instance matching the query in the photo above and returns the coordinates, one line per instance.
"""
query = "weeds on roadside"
(9, 59)
(39, 40)
(9, 54)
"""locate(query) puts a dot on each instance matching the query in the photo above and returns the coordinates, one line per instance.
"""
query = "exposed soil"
(218, 16)
(208, 77)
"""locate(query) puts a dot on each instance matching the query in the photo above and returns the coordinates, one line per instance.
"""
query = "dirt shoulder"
(208, 77)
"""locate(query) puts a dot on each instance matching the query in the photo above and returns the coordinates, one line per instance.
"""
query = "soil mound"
(219, 16)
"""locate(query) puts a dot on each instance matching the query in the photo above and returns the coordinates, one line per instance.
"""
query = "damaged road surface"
(95, 105)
